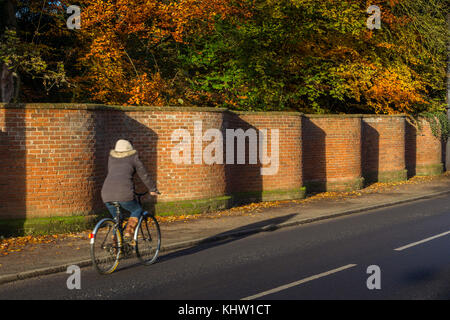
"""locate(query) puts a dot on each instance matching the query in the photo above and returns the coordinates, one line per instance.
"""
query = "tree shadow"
(111, 126)
(229, 236)
(13, 210)
(314, 157)
(410, 149)
(243, 181)
(370, 153)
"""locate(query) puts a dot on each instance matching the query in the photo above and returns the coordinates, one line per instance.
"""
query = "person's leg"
(136, 210)
(133, 207)
(112, 209)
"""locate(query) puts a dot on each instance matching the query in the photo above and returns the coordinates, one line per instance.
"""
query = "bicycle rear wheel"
(148, 239)
(106, 243)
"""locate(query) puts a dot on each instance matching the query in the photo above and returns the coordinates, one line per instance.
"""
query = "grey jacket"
(118, 185)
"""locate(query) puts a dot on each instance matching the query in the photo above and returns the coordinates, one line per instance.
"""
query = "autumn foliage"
(121, 39)
(305, 55)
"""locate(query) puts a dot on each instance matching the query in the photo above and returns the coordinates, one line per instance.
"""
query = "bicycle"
(108, 246)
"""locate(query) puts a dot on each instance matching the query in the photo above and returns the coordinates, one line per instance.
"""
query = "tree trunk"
(7, 21)
(6, 84)
(8, 14)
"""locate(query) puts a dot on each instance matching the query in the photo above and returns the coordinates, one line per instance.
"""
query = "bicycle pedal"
(130, 242)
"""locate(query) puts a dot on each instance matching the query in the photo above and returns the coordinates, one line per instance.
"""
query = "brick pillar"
(383, 152)
(194, 180)
(332, 152)
(423, 150)
(280, 179)
(57, 164)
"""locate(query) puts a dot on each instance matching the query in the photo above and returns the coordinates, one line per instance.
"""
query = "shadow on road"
(230, 236)
(223, 238)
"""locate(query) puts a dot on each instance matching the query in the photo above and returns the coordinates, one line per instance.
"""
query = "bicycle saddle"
(115, 204)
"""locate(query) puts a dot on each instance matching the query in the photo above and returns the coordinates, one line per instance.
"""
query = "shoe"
(131, 226)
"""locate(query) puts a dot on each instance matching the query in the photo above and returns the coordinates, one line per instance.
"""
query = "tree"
(318, 56)
(22, 57)
(129, 45)
(7, 23)
(305, 55)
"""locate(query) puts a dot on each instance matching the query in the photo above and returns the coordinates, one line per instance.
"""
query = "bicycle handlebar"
(140, 195)
(143, 194)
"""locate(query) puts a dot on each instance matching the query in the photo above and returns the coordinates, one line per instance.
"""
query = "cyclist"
(118, 186)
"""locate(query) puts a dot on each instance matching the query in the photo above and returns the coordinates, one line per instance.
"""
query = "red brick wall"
(47, 161)
(383, 144)
(332, 152)
(54, 158)
(289, 175)
(423, 150)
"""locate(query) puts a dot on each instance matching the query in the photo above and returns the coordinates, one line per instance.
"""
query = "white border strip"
(296, 283)
(422, 241)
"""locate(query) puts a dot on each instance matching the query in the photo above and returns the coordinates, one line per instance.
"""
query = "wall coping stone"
(90, 106)
(400, 115)
(355, 115)
(87, 106)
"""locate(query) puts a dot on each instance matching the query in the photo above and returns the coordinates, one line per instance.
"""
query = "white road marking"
(296, 283)
(422, 241)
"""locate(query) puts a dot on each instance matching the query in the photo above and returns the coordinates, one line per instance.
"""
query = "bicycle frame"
(124, 247)
(118, 219)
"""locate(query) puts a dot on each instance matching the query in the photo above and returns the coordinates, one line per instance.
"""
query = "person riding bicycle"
(118, 186)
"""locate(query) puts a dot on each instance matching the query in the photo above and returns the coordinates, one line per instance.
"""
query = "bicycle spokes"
(105, 247)
(148, 240)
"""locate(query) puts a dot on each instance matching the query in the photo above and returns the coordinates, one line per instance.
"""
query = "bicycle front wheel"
(148, 239)
(106, 243)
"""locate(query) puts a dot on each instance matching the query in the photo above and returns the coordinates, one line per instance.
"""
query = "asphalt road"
(325, 260)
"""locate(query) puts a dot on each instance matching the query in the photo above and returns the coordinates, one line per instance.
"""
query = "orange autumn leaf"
(120, 36)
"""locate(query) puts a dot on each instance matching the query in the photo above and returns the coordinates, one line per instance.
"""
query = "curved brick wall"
(332, 152)
(47, 162)
(187, 181)
(423, 150)
(383, 148)
(54, 157)
(150, 132)
(287, 181)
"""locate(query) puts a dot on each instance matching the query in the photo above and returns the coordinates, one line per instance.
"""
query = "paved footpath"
(46, 258)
